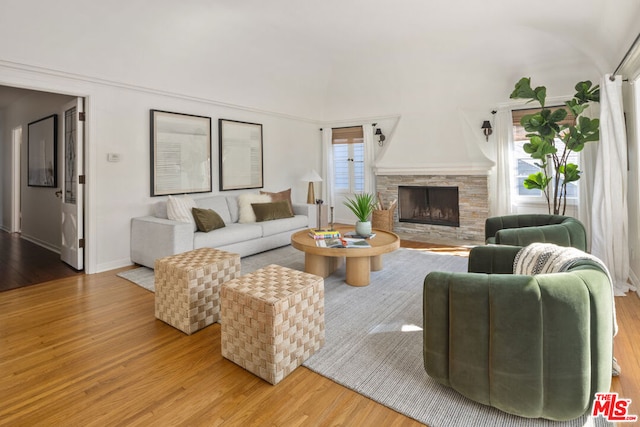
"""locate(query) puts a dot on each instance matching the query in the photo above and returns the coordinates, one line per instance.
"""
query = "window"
(348, 159)
(524, 165)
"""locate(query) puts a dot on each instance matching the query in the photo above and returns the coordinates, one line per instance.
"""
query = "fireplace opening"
(429, 205)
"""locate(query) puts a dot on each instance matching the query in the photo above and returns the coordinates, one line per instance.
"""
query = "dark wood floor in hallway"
(23, 263)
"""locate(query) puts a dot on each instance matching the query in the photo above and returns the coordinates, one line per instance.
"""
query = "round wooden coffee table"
(360, 261)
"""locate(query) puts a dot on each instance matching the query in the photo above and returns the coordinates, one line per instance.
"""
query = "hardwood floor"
(87, 350)
(23, 263)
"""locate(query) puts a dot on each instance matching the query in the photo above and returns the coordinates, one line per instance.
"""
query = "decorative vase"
(363, 228)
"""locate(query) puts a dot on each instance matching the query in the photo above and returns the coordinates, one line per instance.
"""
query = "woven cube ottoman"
(187, 294)
(272, 320)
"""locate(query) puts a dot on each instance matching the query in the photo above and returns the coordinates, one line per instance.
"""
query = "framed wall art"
(180, 153)
(42, 146)
(240, 155)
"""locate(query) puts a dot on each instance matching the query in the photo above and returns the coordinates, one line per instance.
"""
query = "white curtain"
(369, 158)
(501, 181)
(327, 168)
(588, 158)
(609, 226)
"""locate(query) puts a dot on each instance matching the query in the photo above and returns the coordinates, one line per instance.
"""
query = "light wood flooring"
(87, 350)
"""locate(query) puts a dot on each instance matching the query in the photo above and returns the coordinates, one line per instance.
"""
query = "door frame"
(30, 79)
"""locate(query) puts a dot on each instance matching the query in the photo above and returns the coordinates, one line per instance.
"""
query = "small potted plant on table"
(362, 205)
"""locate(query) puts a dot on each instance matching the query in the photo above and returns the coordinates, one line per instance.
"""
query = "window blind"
(347, 135)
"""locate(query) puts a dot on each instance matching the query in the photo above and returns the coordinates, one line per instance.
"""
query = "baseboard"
(113, 265)
(41, 243)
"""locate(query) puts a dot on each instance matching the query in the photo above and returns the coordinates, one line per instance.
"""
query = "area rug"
(374, 341)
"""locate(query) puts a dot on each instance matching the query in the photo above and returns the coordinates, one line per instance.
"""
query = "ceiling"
(252, 52)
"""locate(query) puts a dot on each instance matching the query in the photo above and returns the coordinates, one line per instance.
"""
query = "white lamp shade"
(312, 176)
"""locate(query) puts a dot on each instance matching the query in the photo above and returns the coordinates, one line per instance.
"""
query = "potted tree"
(362, 205)
(544, 129)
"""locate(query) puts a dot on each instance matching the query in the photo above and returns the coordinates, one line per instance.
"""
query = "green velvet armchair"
(534, 346)
(521, 230)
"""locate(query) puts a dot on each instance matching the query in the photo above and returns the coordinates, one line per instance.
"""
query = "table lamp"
(311, 177)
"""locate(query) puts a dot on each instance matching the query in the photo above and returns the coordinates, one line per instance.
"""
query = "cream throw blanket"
(542, 258)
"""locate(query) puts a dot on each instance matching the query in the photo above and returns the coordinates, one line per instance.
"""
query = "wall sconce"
(486, 129)
(380, 136)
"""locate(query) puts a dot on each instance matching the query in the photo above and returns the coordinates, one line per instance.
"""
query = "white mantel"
(436, 169)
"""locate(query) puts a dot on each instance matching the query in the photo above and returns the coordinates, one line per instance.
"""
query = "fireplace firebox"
(429, 205)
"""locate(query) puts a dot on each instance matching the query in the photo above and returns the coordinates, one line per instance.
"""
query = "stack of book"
(324, 234)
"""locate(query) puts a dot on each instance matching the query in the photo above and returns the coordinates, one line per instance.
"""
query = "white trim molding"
(439, 169)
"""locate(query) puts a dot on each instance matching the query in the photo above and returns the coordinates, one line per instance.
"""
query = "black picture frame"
(180, 153)
(42, 152)
(240, 157)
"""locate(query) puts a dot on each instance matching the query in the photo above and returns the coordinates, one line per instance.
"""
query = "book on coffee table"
(343, 243)
(355, 235)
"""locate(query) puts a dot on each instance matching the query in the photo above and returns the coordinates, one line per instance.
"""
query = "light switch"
(113, 157)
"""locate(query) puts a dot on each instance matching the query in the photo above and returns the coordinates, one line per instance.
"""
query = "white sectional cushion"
(246, 210)
(232, 233)
(232, 202)
(160, 210)
(179, 209)
(276, 226)
(218, 204)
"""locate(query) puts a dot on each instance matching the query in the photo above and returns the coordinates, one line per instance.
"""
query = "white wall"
(202, 49)
(118, 122)
(290, 147)
(441, 108)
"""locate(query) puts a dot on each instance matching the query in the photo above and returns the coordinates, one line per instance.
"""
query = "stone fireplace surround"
(474, 207)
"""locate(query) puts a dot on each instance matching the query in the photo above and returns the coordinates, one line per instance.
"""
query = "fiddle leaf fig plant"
(545, 128)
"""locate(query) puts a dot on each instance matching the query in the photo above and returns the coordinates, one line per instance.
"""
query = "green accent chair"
(534, 346)
(522, 230)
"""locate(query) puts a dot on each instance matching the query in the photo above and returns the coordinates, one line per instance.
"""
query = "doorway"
(33, 212)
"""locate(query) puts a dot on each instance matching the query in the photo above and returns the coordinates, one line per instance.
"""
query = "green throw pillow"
(270, 211)
(207, 219)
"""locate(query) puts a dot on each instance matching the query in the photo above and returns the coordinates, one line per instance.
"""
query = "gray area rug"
(374, 340)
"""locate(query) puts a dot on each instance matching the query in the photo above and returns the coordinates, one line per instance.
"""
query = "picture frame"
(42, 152)
(180, 153)
(240, 157)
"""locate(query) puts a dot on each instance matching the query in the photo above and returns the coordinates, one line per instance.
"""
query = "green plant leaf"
(539, 148)
(575, 107)
(541, 94)
(536, 181)
(586, 92)
(558, 115)
(362, 205)
(523, 90)
(570, 172)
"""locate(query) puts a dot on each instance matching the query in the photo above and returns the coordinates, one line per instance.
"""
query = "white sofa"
(156, 236)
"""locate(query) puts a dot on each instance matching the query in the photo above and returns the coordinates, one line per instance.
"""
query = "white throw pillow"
(179, 209)
(246, 210)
